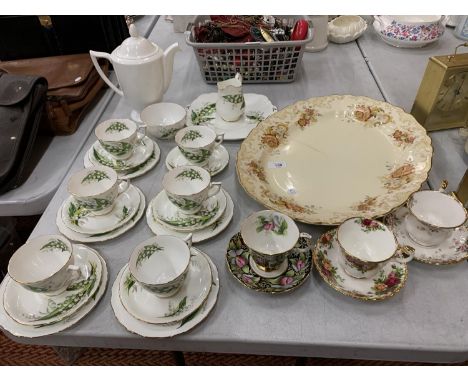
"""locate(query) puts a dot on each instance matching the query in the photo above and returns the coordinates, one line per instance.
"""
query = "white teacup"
(163, 120)
(161, 264)
(271, 236)
(187, 187)
(44, 264)
(367, 245)
(96, 188)
(197, 143)
(433, 217)
(118, 137)
(230, 104)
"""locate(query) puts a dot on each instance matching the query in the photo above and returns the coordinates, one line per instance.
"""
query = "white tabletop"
(425, 322)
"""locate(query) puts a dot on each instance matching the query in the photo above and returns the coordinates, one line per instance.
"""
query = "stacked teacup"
(49, 281)
(99, 204)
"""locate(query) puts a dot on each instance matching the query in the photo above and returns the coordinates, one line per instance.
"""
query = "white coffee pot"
(144, 70)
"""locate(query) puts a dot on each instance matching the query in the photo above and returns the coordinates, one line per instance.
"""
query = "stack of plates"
(143, 313)
(30, 314)
(79, 225)
(164, 218)
(143, 159)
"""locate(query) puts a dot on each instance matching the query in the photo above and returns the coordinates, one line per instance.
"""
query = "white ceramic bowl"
(41, 264)
(163, 120)
(160, 264)
(345, 29)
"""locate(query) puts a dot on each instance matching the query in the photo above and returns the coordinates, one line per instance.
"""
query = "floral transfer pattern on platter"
(327, 259)
(452, 251)
(270, 160)
(299, 268)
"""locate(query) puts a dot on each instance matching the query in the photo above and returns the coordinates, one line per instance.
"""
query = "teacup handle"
(142, 129)
(443, 185)
(188, 240)
(405, 254)
(123, 185)
(215, 187)
(75, 272)
(219, 139)
(309, 247)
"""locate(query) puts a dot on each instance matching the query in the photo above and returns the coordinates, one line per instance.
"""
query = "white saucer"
(197, 236)
(125, 207)
(72, 235)
(145, 329)
(148, 307)
(451, 251)
(18, 330)
(257, 108)
(218, 161)
(37, 309)
(170, 216)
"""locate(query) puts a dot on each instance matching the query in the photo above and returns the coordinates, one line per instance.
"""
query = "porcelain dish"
(202, 111)
(345, 29)
(163, 120)
(218, 161)
(376, 152)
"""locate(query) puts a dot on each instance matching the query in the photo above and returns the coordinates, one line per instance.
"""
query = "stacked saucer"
(190, 202)
(167, 288)
(100, 206)
(122, 148)
(50, 297)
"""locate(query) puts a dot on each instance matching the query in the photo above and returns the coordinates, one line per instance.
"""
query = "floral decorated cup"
(433, 215)
(44, 264)
(367, 245)
(271, 236)
(197, 143)
(96, 188)
(230, 104)
(118, 137)
(161, 264)
(187, 187)
(163, 119)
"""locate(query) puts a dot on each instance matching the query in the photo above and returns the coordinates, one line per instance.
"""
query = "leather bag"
(22, 100)
(73, 84)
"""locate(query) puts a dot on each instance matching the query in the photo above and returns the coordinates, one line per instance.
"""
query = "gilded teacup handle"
(305, 235)
(405, 254)
(443, 185)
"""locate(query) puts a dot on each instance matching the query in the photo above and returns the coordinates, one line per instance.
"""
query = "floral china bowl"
(164, 119)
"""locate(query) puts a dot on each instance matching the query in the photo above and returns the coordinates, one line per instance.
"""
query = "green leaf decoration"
(55, 244)
(147, 252)
(183, 203)
(216, 224)
(191, 174)
(129, 282)
(191, 135)
(200, 157)
(96, 175)
(118, 148)
(200, 218)
(125, 213)
(179, 308)
(190, 316)
(117, 165)
(255, 116)
(141, 166)
(168, 133)
(116, 127)
(204, 114)
(235, 99)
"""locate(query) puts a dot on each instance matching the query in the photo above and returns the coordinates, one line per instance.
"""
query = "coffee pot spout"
(169, 63)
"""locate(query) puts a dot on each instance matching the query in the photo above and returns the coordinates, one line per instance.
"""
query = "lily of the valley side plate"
(202, 111)
(218, 161)
(145, 329)
(197, 236)
(451, 251)
(84, 238)
(299, 268)
(19, 330)
(327, 260)
(326, 159)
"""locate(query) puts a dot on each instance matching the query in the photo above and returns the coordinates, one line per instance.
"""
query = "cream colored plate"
(327, 159)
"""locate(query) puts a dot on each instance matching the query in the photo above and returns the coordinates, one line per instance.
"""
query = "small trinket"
(266, 35)
(256, 34)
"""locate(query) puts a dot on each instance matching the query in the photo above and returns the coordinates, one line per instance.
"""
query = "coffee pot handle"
(107, 56)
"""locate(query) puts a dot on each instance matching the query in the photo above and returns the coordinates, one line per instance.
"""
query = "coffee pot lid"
(136, 47)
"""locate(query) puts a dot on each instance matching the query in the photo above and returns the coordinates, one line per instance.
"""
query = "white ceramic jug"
(144, 70)
(230, 104)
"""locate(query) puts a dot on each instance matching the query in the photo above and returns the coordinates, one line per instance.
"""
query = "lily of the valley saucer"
(197, 236)
(299, 268)
(218, 161)
(148, 307)
(328, 261)
(171, 217)
(80, 220)
(38, 309)
(452, 250)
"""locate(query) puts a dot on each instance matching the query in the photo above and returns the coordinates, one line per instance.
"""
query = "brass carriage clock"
(442, 99)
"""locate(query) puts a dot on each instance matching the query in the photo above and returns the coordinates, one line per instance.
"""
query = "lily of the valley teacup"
(118, 137)
(187, 187)
(230, 104)
(271, 236)
(161, 264)
(44, 264)
(197, 143)
(367, 245)
(433, 215)
(95, 188)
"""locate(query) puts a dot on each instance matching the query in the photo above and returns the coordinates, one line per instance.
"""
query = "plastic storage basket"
(258, 62)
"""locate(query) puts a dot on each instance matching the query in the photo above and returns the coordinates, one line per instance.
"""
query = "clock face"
(453, 94)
